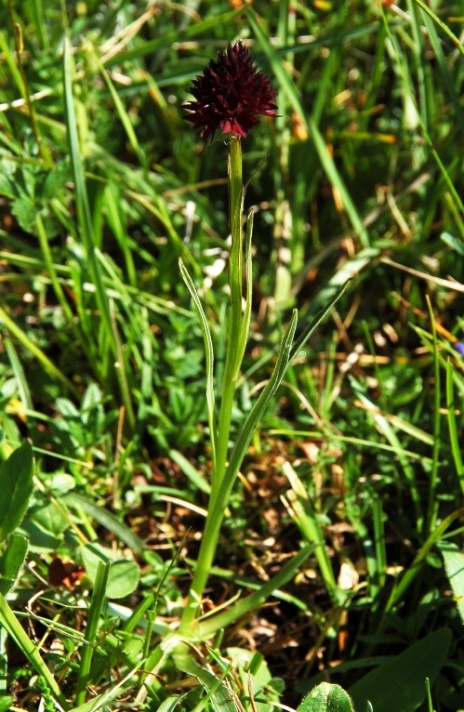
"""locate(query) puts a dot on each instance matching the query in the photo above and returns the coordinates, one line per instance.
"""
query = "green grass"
(338, 556)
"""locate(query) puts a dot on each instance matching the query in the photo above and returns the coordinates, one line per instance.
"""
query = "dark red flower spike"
(229, 95)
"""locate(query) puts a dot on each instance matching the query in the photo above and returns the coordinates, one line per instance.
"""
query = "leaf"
(326, 697)
(408, 670)
(216, 690)
(209, 356)
(454, 566)
(25, 210)
(309, 330)
(45, 527)
(56, 180)
(248, 428)
(124, 574)
(328, 163)
(123, 579)
(16, 488)
(453, 242)
(6, 702)
(169, 705)
(11, 562)
(254, 675)
(29, 649)
(106, 518)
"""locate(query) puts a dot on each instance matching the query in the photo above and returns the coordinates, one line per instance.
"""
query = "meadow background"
(103, 186)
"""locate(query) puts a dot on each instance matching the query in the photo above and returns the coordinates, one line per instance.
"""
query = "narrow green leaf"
(190, 471)
(448, 79)
(29, 649)
(216, 691)
(32, 347)
(166, 39)
(304, 515)
(209, 626)
(245, 326)
(94, 614)
(318, 319)
(209, 356)
(443, 26)
(101, 701)
(16, 488)
(16, 365)
(453, 243)
(14, 557)
(86, 232)
(106, 518)
(410, 573)
(453, 425)
(170, 705)
(123, 115)
(251, 423)
(327, 162)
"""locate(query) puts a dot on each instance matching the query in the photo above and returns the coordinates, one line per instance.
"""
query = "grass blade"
(327, 162)
(29, 649)
(46, 363)
(95, 610)
(452, 425)
(209, 355)
(207, 628)
(251, 423)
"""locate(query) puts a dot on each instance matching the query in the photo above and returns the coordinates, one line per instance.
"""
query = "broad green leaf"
(123, 579)
(45, 527)
(408, 670)
(25, 210)
(326, 697)
(6, 702)
(123, 576)
(56, 179)
(16, 488)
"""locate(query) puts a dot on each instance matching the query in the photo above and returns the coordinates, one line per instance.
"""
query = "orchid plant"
(229, 96)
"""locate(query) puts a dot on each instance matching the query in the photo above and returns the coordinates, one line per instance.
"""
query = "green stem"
(205, 559)
(233, 353)
(220, 490)
(219, 499)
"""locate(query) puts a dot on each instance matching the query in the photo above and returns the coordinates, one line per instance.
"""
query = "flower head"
(229, 94)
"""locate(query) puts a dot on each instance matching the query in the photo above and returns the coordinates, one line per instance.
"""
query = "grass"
(339, 555)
